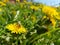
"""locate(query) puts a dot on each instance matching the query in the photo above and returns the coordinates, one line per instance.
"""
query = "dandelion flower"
(2, 3)
(17, 0)
(6, 1)
(51, 13)
(33, 18)
(16, 28)
(34, 7)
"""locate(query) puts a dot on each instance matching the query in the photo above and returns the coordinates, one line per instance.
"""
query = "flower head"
(2, 3)
(34, 7)
(51, 13)
(17, 0)
(33, 18)
(6, 1)
(16, 28)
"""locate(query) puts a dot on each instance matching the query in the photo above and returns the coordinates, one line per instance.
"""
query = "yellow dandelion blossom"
(44, 17)
(34, 7)
(51, 13)
(48, 10)
(5, 1)
(17, 0)
(16, 28)
(33, 18)
(2, 4)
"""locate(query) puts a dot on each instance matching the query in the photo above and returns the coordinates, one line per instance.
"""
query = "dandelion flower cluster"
(51, 13)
